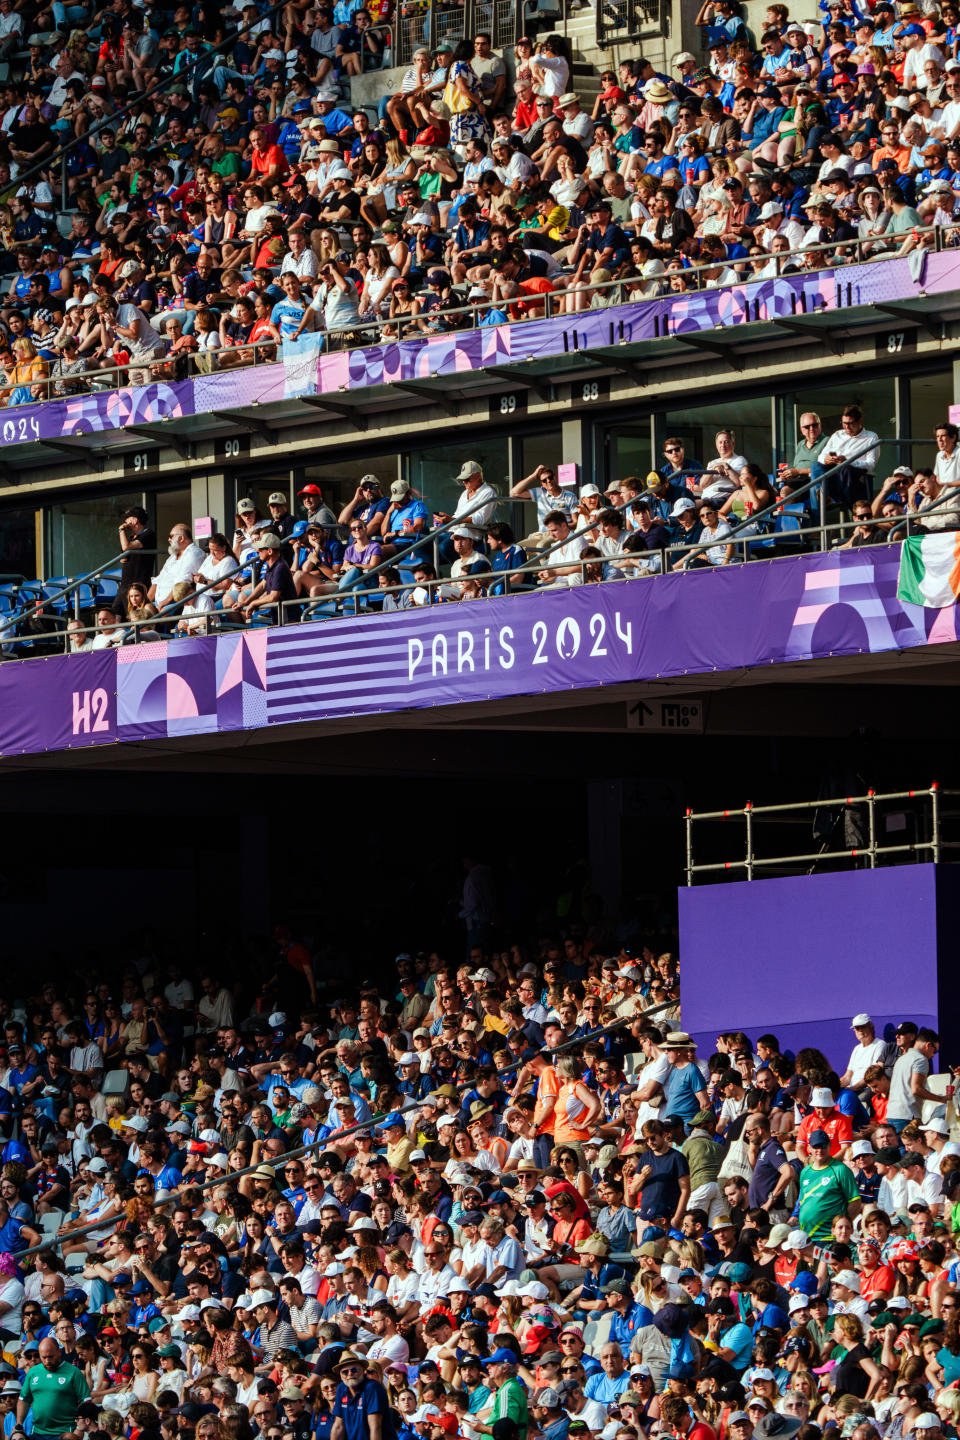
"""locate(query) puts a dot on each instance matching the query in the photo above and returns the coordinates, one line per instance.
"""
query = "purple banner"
(829, 966)
(645, 629)
(823, 290)
(139, 405)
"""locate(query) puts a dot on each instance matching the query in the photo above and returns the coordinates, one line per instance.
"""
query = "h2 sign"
(90, 712)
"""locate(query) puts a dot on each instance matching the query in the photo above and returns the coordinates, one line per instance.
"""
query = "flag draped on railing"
(930, 570)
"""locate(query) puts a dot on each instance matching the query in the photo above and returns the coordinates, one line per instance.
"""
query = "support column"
(208, 496)
(576, 438)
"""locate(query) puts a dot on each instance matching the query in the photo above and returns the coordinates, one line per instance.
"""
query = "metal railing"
(625, 20)
(518, 310)
(330, 1142)
(871, 813)
(748, 537)
(432, 22)
(39, 599)
(384, 30)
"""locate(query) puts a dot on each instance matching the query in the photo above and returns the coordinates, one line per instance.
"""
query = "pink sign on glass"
(567, 473)
(202, 527)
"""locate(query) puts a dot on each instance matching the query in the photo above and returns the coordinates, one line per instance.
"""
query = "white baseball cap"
(858, 1020)
(861, 1147)
(849, 1278)
(796, 1240)
(798, 1302)
(939, 1127)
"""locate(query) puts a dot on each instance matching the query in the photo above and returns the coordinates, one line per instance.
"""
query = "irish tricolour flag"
(930, 570)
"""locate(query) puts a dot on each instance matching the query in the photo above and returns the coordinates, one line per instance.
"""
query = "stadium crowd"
(689, 513)
(227, 197)
(506, 1197)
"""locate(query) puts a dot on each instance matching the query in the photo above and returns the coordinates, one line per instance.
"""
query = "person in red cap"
(311, 497)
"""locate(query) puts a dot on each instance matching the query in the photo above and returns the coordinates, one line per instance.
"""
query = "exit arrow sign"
(682, 717)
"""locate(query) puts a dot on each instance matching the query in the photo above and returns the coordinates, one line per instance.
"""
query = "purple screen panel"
(801, 956)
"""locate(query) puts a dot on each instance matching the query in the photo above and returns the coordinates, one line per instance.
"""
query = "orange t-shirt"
(838, 1127)
(548, 1085)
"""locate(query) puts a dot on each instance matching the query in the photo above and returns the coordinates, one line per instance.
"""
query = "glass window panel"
(747, 416)
(18, 543)
(431, 472)
(337, 479)
(930, 399)
(83, 532)
(543, 449)
(172, 507)
(628, 451)
(876, 399)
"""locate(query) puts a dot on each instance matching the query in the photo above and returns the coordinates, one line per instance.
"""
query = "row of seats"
(54, 599)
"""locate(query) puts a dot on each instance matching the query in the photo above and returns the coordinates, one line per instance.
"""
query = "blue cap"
(912, 29)
(300, 528)
(805, 1283)
(121, 1278)
(502, 1356)
(141, 1288)
(301, 106)
(394, 1118)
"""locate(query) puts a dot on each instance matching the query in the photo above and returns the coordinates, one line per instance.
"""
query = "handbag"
(736, 1162)
(455, 98)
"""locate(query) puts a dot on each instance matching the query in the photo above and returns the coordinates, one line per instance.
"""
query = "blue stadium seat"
(787, 525)
(108, 587)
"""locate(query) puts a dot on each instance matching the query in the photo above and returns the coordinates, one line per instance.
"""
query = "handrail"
(428, 537)
(329, 1143)
(76, 583)
(310, 607)
(800, 492)
(948, 492)
(313, 607)
(871, 850)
